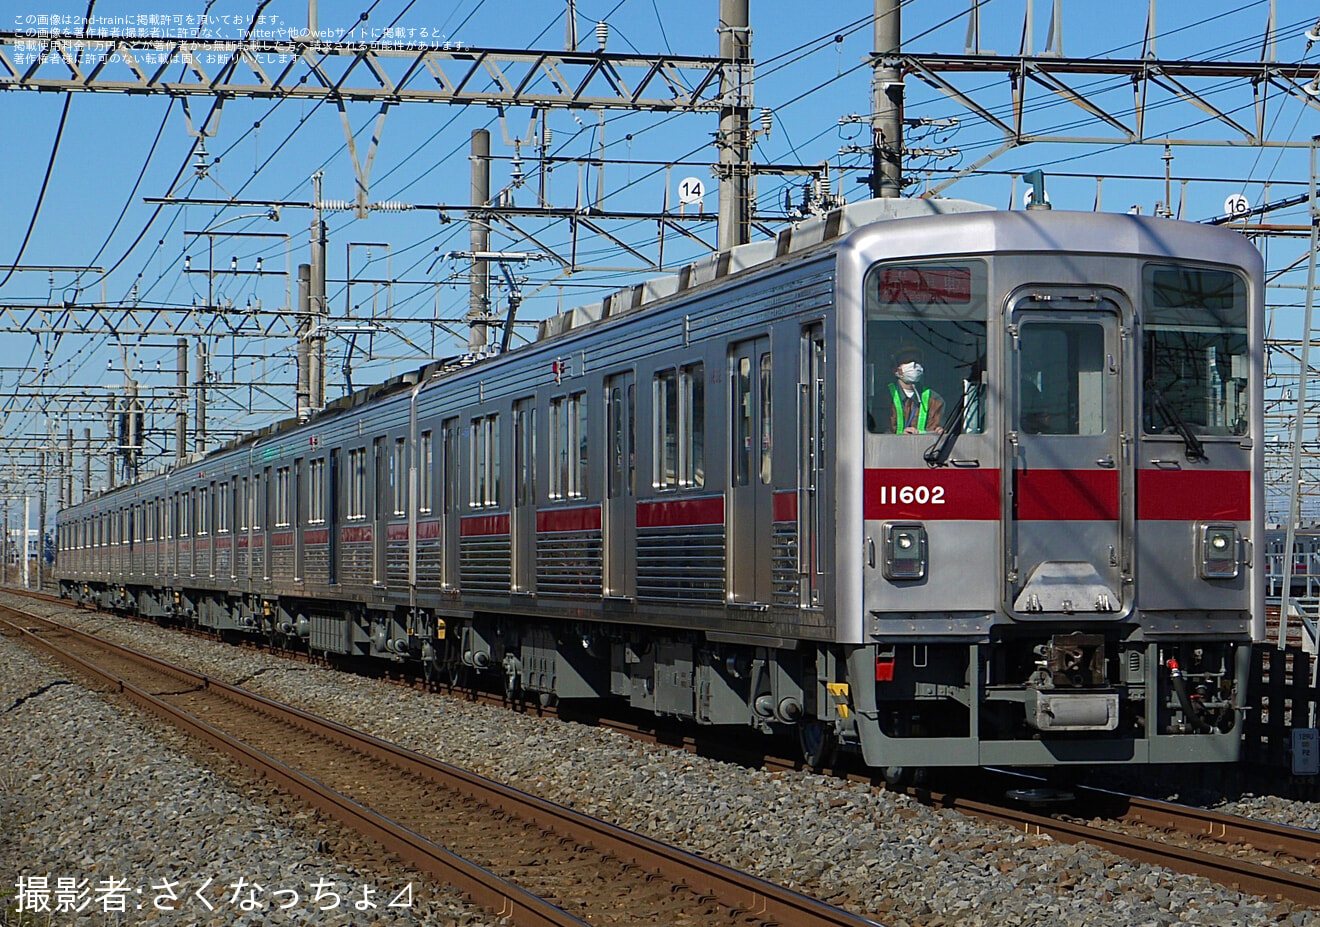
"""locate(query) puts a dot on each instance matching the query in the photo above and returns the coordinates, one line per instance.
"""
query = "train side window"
(926, 347)
(524, 452)
(316, 492)
(399, 476)
(665, 465)
(485, 486)
(1195, 361)
(282, 497)
(679, 404)
(449, 432)
(426, 463)
(241, 505)
(203, 511)
(568, 446)
(357, 483)
(225, 506)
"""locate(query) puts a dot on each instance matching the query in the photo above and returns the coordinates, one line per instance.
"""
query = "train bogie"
(939, 485)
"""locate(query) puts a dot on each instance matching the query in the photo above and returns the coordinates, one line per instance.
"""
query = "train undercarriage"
(1044, 698)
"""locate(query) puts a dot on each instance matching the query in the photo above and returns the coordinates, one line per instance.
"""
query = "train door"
(267, 504)
(299, 516)
(620, 515)
(450, 436)
(523, 529)
(1067, 491)
(811, 467)
(751, 491)
(382, 505)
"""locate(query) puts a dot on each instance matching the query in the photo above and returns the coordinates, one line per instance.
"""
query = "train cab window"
(1195, 368)
(1061, 378)
(926, 347)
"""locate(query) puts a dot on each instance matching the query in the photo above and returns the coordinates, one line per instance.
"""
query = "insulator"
(392, 206)
(546, 136)
(824, 185)
(602, 35)
(767, 120)
(337, 205)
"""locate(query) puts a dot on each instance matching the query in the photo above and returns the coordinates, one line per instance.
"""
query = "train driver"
(914, 409)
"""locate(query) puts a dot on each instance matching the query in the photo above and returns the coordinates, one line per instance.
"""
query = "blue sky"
(115, 150)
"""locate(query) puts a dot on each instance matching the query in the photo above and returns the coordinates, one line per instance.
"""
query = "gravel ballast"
(89, 793)
(879, 853)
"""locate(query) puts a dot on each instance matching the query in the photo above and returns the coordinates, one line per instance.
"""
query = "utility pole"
(302, 391)
(199, 430)
(67, 467)
(87, 463)
(113, 449)
(887, 102)
(734, 138)
(41, 518)
(479, 239)
(317, 304)
(27, 520)
(181, 402)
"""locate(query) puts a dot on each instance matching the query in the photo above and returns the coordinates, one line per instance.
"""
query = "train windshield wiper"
(937, 455)
(1195, 449)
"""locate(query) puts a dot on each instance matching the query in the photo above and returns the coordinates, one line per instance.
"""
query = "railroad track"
(1278, 863)
(1141, 829)
(523, 857)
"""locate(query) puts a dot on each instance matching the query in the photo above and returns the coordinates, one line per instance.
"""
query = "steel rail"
(484, 887)
(1268, 836)
(1245, 876)
(732, 888)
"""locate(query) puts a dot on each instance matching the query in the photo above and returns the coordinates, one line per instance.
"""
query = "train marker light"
(1219, 551)
(905, 551)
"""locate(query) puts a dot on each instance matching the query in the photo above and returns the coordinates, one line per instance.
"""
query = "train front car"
(1056, 445)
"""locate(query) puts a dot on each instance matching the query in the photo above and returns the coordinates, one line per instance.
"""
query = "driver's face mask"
(911, 372)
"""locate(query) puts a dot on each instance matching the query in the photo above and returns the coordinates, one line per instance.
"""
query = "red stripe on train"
(355, 534)
(484, 525)
(1194, 495)
(1067, 495)
(930, 494)
(786, 505)
(581, 518)
(681, 513)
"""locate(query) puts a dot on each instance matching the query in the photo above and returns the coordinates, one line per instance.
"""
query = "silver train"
(935, 484)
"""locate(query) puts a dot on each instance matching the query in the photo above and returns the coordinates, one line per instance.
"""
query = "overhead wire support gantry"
(365, 72)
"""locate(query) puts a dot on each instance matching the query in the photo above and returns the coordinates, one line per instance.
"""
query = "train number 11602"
(906, 495)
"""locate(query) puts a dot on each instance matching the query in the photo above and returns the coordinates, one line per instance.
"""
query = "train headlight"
(1219, 552)
(905, 551)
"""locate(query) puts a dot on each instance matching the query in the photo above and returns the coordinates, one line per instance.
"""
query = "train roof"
(803, 236)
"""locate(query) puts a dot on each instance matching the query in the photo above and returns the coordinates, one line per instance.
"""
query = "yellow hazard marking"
(839, 696)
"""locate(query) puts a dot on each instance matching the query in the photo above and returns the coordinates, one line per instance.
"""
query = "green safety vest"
(922, 408)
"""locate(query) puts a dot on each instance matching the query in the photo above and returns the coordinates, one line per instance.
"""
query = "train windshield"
(925, 347)
(1195, 373)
